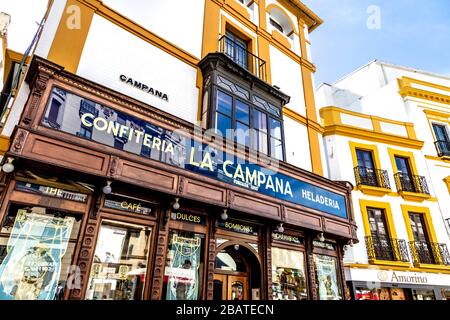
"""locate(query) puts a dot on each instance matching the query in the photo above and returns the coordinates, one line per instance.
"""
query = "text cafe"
(140, 208)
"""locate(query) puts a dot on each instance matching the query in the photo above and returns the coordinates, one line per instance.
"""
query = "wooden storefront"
(64, 174)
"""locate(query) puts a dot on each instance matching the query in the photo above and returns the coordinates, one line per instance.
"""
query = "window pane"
(183, 273)
(242, 112)
(288, 275)
(260, 141)
(224, 103)
(276, 147)
(275, 128)
(242, 134)
(223, 123)
(328, 286)
(260, 121)
(120, 262)
(41, 244)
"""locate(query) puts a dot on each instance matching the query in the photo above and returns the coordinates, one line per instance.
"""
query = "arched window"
(279, 21)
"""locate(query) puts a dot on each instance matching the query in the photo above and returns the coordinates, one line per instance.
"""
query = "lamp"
(107, 189)
(321, 237)
(280, 228)
(224, 215)
(236, 247)
(351, 242)
(176, 204)
(8, 167)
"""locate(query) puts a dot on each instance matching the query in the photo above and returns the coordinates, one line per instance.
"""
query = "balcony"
(413, 188)
(429, 253)
(387, 249)
(242, 57)
(443, 148)
(372, 181)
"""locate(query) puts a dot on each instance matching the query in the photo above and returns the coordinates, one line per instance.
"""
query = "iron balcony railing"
(416, 184)
(372, 177)
(244, 58)
(443, 148)
(430, 253)
(388, 249)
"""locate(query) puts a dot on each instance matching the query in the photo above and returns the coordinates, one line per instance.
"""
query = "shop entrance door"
(233, 275)
(229, 287)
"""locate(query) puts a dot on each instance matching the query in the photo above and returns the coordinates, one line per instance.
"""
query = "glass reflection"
(120, 262)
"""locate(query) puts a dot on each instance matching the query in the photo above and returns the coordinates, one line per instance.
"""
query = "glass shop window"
(119, 267)
(36, 252)
(183, 274)
(288, 275)
(367, 294)
(423, 294)
(327, 279)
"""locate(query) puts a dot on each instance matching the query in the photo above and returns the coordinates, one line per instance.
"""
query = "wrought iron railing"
(430, 253)
(372, 177)
(443, 148)
(244, 58)
(416, 184)
(385, 248)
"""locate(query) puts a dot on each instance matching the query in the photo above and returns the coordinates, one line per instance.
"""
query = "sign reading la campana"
(104, 125)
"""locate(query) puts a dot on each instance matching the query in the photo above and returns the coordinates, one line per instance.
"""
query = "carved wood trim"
(19, 141)
(268, 268)
(39, 86)
(310, 268)
(211, 261)
(113, 166)
(340, 248)
(87, 251)
(160, 257)
(181, 183)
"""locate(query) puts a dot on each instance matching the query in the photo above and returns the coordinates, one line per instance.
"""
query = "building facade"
(159, 151)
(386, 131)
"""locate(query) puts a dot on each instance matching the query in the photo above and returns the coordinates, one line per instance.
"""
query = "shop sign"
(50, 191)
(238, 227)
(286, 238)
(324, 245)
(131, 134)
(144, 87)
(401, 277)
(126, 204)
(187, 217)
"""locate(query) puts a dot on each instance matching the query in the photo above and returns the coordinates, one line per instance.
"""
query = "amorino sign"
(90, 120)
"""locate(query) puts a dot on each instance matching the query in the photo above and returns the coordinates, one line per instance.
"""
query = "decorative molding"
(181, 183)
(369, 135)
(19, 141)
(113, 166)
(406, 89)
(160, 258)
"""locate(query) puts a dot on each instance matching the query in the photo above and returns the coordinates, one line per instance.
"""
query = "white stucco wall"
(111, 51)
(286, 74)
(297, 144)
(177, 21)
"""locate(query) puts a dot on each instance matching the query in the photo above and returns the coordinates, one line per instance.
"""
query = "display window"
(37, 246)
(288, 275)
(327, 280)
(183, 273)
(119, 266)
(367, 294)
(423, 294)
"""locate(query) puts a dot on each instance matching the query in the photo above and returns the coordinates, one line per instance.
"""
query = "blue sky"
(413, 33)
